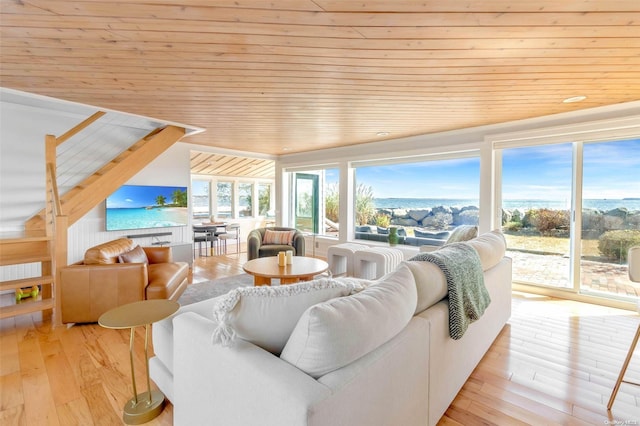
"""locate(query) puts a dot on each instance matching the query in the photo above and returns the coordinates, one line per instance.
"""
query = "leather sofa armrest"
(88, 291)
(159, 254)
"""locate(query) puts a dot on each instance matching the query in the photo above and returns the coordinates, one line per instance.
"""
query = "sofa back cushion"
(265, 315)
(107, 253)
(431, 284)
(491, 247)
(334, 333)
(444, 235)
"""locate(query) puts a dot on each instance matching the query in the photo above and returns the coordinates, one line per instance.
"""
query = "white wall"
(22, 168)
(171, 168)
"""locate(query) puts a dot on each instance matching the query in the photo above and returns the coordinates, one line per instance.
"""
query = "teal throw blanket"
(468, 297)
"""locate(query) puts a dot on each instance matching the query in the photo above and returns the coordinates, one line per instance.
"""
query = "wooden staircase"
(45, 238)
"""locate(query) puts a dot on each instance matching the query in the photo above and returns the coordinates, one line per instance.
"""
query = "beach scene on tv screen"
(139, 207)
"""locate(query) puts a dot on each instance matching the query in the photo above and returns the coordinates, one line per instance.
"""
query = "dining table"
(211, 231)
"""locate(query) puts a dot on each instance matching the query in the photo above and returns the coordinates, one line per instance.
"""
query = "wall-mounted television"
(141, 207)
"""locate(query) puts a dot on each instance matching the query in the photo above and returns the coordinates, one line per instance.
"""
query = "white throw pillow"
(335, 333)
(265, 315)
(491, 247)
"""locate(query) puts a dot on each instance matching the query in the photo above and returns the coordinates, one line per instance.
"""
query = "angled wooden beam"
(68, 134)
(114, 174)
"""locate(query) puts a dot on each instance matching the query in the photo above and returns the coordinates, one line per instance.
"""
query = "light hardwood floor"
(554, 363)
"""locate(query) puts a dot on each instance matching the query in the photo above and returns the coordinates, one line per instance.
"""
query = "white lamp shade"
(634, 264)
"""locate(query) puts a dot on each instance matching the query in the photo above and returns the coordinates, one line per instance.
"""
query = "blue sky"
(135, 196)
(458, 178)
(611, 170)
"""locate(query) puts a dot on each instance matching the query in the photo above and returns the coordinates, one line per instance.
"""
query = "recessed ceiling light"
(286, 148)
(382, 134)
(574, 99)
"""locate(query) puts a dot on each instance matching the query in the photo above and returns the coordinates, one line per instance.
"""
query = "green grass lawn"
(553, 245)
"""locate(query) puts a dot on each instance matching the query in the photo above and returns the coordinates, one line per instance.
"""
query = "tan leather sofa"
(101, 282)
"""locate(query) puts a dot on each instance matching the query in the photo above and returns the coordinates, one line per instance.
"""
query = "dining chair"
(204, 235)
(233, 233)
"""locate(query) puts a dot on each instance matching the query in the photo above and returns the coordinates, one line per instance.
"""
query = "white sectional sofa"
(331, 352)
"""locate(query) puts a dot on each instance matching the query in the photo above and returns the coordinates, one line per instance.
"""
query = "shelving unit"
(17, 250)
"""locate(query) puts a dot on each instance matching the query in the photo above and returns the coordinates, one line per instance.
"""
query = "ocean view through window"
(541, 190)
(423, 200)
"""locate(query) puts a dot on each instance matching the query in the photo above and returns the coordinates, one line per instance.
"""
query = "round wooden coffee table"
(302, 268)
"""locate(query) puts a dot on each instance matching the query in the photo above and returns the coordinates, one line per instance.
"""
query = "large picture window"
(264, 199)
(245, 199)
(224, 198)
(201, 199)
(423, 201)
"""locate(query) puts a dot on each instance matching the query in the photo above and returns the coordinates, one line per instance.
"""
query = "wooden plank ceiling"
(285, 76)
(219, 165)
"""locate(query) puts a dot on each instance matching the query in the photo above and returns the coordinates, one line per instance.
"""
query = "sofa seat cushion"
(265, 315)
(107, 253)
(334, 333)
(165, 279)
(274, 249)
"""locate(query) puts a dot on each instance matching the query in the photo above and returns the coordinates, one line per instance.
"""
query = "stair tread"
(12, 237)
(25, 282)
(25, 307)
(20, 259)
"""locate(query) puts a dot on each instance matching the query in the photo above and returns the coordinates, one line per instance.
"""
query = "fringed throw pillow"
(278, 237)
(265, 315)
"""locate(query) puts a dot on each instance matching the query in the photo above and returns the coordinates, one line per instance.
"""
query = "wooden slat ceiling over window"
(219, 165)
(297, 75)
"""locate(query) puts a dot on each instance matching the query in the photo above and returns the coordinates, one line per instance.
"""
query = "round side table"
(147, 405)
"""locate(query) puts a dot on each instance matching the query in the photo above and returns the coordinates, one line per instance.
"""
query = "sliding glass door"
(536, 200)
(570, 211)
(610, 217)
